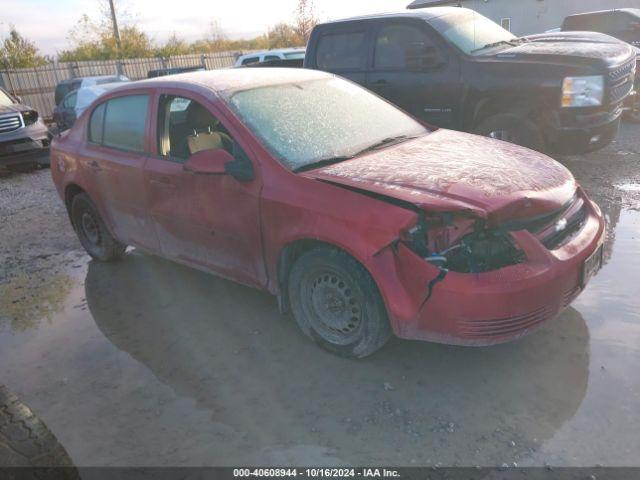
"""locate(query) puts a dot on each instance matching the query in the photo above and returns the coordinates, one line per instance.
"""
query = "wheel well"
(490, 107)
(288, 256)
(69, 193)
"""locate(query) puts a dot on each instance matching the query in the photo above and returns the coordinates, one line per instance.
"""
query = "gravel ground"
(150, 363)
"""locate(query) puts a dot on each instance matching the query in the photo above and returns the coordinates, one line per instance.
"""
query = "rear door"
(209, 221)
(114, 158)
(343, 49)
(413, 69)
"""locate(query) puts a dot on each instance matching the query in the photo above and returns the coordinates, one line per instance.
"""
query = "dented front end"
(462, 280)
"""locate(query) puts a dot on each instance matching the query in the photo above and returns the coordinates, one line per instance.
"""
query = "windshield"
(308, 122)
(5, 100)
(472, 32)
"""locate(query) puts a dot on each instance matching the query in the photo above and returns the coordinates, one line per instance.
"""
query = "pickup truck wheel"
(633, 115)
(513, 129)
(92, 231)
(337, 304)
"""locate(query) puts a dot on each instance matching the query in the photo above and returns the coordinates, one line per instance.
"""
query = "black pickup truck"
(452, 67)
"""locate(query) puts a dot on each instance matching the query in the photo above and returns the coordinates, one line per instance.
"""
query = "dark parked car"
(72, 84)
(24, 138)
(163, 72)
(622, 23)
(362, 220)
(457, 69)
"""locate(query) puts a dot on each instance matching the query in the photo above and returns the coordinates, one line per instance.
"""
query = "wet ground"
(149, 363)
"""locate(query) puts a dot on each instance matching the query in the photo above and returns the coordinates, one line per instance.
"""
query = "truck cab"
(454, 68)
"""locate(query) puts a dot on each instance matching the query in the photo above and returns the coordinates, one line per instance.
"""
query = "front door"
(208, 221)
(414, 71)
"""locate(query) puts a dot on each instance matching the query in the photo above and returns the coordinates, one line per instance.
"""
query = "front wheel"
(513, 129)
(93, 232)
(336, 303)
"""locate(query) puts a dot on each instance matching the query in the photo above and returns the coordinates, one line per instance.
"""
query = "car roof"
(228, 80)
(424, 14)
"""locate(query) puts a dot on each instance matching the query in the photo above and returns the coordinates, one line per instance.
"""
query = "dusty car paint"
(445, 185)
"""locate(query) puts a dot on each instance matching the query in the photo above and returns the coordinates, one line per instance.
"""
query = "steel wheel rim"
(90, 228)
(333, 306)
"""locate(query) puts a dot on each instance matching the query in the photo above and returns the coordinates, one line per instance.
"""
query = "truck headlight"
(583, 91)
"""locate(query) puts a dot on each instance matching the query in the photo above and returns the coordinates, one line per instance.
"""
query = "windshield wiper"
(511, 43)
(323, 162)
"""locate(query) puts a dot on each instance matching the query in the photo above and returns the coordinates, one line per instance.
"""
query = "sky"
(47, 22)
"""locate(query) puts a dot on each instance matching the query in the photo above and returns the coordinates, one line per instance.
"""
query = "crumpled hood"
(458, 172)
(571, 48)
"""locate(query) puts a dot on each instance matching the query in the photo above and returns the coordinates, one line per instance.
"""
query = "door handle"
(162, 182)
(95, 166)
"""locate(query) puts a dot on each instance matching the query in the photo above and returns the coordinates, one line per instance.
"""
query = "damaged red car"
(362, 220)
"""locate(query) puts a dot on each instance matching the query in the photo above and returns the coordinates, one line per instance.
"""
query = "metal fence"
(36, 86)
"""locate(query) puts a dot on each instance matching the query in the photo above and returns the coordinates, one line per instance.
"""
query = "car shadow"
(228, 348)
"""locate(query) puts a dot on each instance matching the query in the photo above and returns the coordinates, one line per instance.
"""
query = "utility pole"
(116, 32)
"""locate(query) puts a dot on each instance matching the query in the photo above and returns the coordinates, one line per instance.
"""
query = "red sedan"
(363, 221)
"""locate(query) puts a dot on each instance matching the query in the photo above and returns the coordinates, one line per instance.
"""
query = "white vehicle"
(76, 102)
(282, 54)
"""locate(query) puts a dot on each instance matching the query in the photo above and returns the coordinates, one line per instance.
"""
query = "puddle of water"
(629, 187)
(163, 348)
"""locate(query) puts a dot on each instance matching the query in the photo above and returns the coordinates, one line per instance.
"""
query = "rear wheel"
(513, 129)
(336, 303)
(633, 115)
(92, 231)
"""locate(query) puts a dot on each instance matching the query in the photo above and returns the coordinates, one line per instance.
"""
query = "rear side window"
(271, 57)
(96, 124)
(124, 122)
(249, 60)
(342, 51)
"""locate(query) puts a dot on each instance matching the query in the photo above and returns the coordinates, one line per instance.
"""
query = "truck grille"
(9, 123)
(620, 82)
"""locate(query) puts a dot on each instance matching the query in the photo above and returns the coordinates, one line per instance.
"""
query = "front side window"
(506, 24)
(307, 122)
(186, 127)
(271, 57)
(342, 51)
(120, 123)
(401, 47)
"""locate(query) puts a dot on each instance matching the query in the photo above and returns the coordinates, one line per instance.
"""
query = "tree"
(305, 20)
(94, 39)
(18, 52)
(283, 35)
(173, 46)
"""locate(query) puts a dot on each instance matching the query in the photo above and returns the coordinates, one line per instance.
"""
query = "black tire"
(25, 441)
(94, 235)
(336, 303)
(512, 128)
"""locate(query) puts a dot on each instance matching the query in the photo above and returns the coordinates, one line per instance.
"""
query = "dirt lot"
(149, 363)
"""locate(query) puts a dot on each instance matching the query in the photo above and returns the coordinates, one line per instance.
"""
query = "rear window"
(342, 51)
(120, 123)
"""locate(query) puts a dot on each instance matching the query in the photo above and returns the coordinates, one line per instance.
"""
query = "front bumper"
(573, 131)
(29, 144)
(499, 306)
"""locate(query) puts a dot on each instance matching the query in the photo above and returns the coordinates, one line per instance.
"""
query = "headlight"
(582, 91)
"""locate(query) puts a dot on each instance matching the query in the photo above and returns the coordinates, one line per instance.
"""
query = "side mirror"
(209, 162)
(18, 99)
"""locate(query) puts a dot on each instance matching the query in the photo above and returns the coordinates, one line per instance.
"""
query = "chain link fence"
(36, 86)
